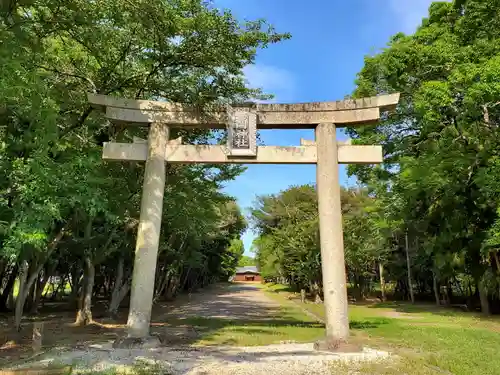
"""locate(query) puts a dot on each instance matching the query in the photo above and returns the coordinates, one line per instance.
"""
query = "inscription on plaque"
(242, 132)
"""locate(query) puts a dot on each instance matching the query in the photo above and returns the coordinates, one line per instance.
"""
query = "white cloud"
(409, 13)
(272, 79)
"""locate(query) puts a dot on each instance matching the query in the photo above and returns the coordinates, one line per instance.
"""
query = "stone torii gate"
(242, 123)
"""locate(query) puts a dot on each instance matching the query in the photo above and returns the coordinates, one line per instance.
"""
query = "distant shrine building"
(249, 273)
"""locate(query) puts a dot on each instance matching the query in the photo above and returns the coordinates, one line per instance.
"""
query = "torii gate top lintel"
(242, 123)
(348, 112)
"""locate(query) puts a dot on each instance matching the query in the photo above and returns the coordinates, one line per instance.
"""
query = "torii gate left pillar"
(242, 123)
(148, 234)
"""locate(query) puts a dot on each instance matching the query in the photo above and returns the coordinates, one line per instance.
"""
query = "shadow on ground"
(408, 308)
(368, 323)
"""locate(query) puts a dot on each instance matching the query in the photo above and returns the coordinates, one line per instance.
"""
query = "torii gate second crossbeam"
(242, 123)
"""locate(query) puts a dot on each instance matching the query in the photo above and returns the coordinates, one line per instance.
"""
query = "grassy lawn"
(429, 340)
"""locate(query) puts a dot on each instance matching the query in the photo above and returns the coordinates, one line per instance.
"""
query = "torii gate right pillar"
(331, 239)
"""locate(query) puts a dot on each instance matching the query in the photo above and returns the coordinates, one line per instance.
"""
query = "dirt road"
(236, 301)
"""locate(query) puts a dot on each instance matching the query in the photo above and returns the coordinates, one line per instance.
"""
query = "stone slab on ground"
(283, 359)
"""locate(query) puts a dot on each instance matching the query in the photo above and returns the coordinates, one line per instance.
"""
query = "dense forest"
(68, 220)
(425, 224)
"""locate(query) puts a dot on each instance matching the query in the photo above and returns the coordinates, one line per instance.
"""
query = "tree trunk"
(118, 278)
(84, 315)
(118, 298)
(435, 287)
(24, 289)
(3, 272)
(449, 292)
(76, 275)
(9, 286)
(11, 301)
(60, 286)
(410, 285)
(21, 294)
(37, 294)
(28, 304)
(172, 288)
(40, 286)
(382, 281)
(303, 295)
(186, 279)
(483, 298)
(497, 261)
(168, 285)
(3, 266)
(119, 290)
(163, 285)
(50, 289)
(362, 288)
(446, 294)
(317, 297)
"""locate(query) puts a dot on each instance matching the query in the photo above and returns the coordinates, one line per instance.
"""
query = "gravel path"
(240, 301)
(234, 301)
(287, 359)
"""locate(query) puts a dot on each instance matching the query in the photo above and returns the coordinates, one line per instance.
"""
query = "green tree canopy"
(65, 211)
(439, 180)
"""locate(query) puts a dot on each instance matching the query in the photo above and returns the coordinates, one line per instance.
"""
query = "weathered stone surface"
(330, 234)
(175, 336)
(346, 154)
(176, 141)
(148, 342)
(384, 102)
(148, 235)
(242, 133)
(337, 346)
(269, 116)
(103, 101)
(61, 370)
(174, 119)
(37, 336)
(265, 120)
(310, 142)
(309, 120)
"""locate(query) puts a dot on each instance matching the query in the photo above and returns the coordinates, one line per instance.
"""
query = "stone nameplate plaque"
(242, 132)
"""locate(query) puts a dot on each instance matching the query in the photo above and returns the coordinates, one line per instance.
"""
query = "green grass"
(428, 339)
(406, 365)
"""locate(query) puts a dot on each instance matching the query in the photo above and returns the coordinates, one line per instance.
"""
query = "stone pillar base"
(337, 346)
(149, 342)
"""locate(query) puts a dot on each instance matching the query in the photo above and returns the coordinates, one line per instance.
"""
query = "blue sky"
(329, 41)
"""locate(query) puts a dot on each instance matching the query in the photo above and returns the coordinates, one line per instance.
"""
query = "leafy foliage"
(439, 181)
(436, 194)
(288, 246)
(246, 261)
(63, 211)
